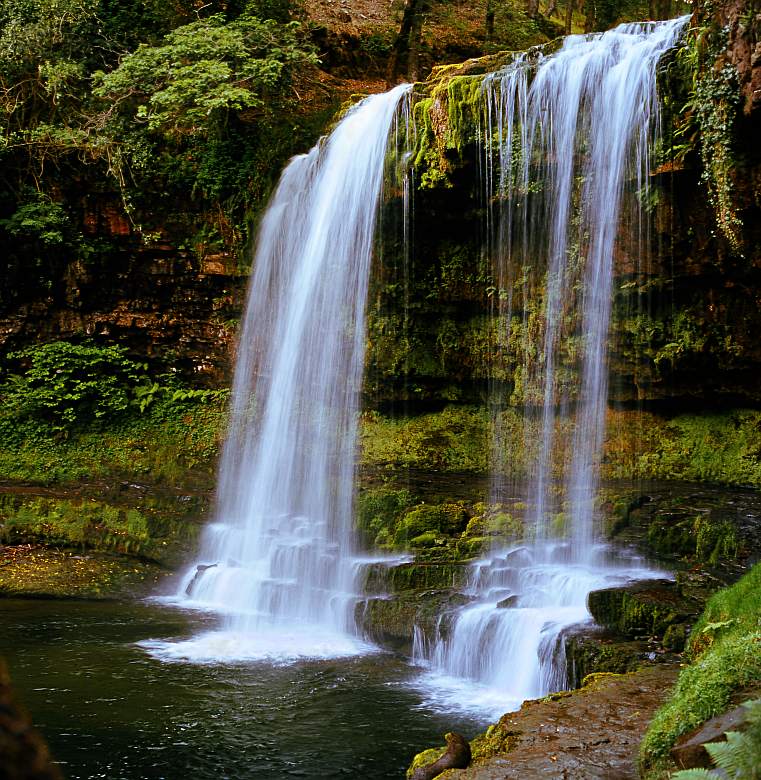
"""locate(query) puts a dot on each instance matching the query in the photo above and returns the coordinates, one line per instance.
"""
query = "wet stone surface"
(590, 734)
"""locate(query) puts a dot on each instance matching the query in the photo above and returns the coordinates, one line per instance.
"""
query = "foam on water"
(276, 645)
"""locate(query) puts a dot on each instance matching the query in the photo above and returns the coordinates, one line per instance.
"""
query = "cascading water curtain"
(567, 139)
(278, 561)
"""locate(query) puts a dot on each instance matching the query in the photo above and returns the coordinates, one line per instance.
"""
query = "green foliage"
(739, 758)
(39, 219)
(725, 650)
(710, 115)
(203, 70)
(454, 439)
(67, 385)
(160, 102)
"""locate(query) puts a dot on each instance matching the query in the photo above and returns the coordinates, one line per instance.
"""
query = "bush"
(67, 385)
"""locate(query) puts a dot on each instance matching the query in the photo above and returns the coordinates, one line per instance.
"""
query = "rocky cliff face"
(685, 324)
(686, 311)
(169, 306)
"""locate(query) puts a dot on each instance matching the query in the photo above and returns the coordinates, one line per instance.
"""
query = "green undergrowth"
(453, 440)
(724, 651)
(171, 443)
(79, 410)
(146, 528)
(716, 447)
(722, 447)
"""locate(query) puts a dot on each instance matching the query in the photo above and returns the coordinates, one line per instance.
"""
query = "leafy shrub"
(38, 219)
(204, 69)
(69, 385)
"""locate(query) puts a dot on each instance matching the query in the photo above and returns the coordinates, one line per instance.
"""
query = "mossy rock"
(700, 537)
(392, 621)
(428, 576)
(425, 758)
(495, 740)
(495, 523)
(429, 521)
(472, 547)
(675, 637)
(35, 572)
(592, 652)
(643, 608)
(428, 539)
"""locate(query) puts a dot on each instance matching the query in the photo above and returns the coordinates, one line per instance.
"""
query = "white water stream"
(279, 562)
(571, 133)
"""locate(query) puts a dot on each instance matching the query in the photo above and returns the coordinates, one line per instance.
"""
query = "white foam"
(282, 645)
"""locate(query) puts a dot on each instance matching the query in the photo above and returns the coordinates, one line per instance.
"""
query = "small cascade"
(279, 561)
(505, 646)
(567, 139)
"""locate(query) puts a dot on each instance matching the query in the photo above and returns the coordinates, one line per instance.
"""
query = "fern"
(739, 758)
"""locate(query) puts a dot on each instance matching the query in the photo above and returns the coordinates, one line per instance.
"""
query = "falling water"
(572, 133)
(279, 560)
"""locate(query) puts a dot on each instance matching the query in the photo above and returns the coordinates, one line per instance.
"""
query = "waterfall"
(567, 139)
(279, 560)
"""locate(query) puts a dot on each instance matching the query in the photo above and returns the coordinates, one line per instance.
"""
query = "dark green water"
(110, 710)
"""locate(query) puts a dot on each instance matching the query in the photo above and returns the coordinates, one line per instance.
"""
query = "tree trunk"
(489, 19)
(405, 52)
(569, 16)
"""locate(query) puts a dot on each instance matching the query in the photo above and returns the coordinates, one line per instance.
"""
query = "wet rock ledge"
(589, 734)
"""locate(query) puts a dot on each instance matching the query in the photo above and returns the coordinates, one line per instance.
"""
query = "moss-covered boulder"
(393, 621)
(643, 608)
(416, 576)
(589, 651)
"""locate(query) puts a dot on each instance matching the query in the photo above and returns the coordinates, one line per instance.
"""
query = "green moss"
(425, 523)
(725, 653)
(170, 444)
(379, 511)
(455, 439)
(494, 521)
(719, 447)
(675, 637)
(588, 655)
(425, 758)
(150, 532)
(638, 610)
(45, 573)
(427, 539)
(417, 576)
(496, 739)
